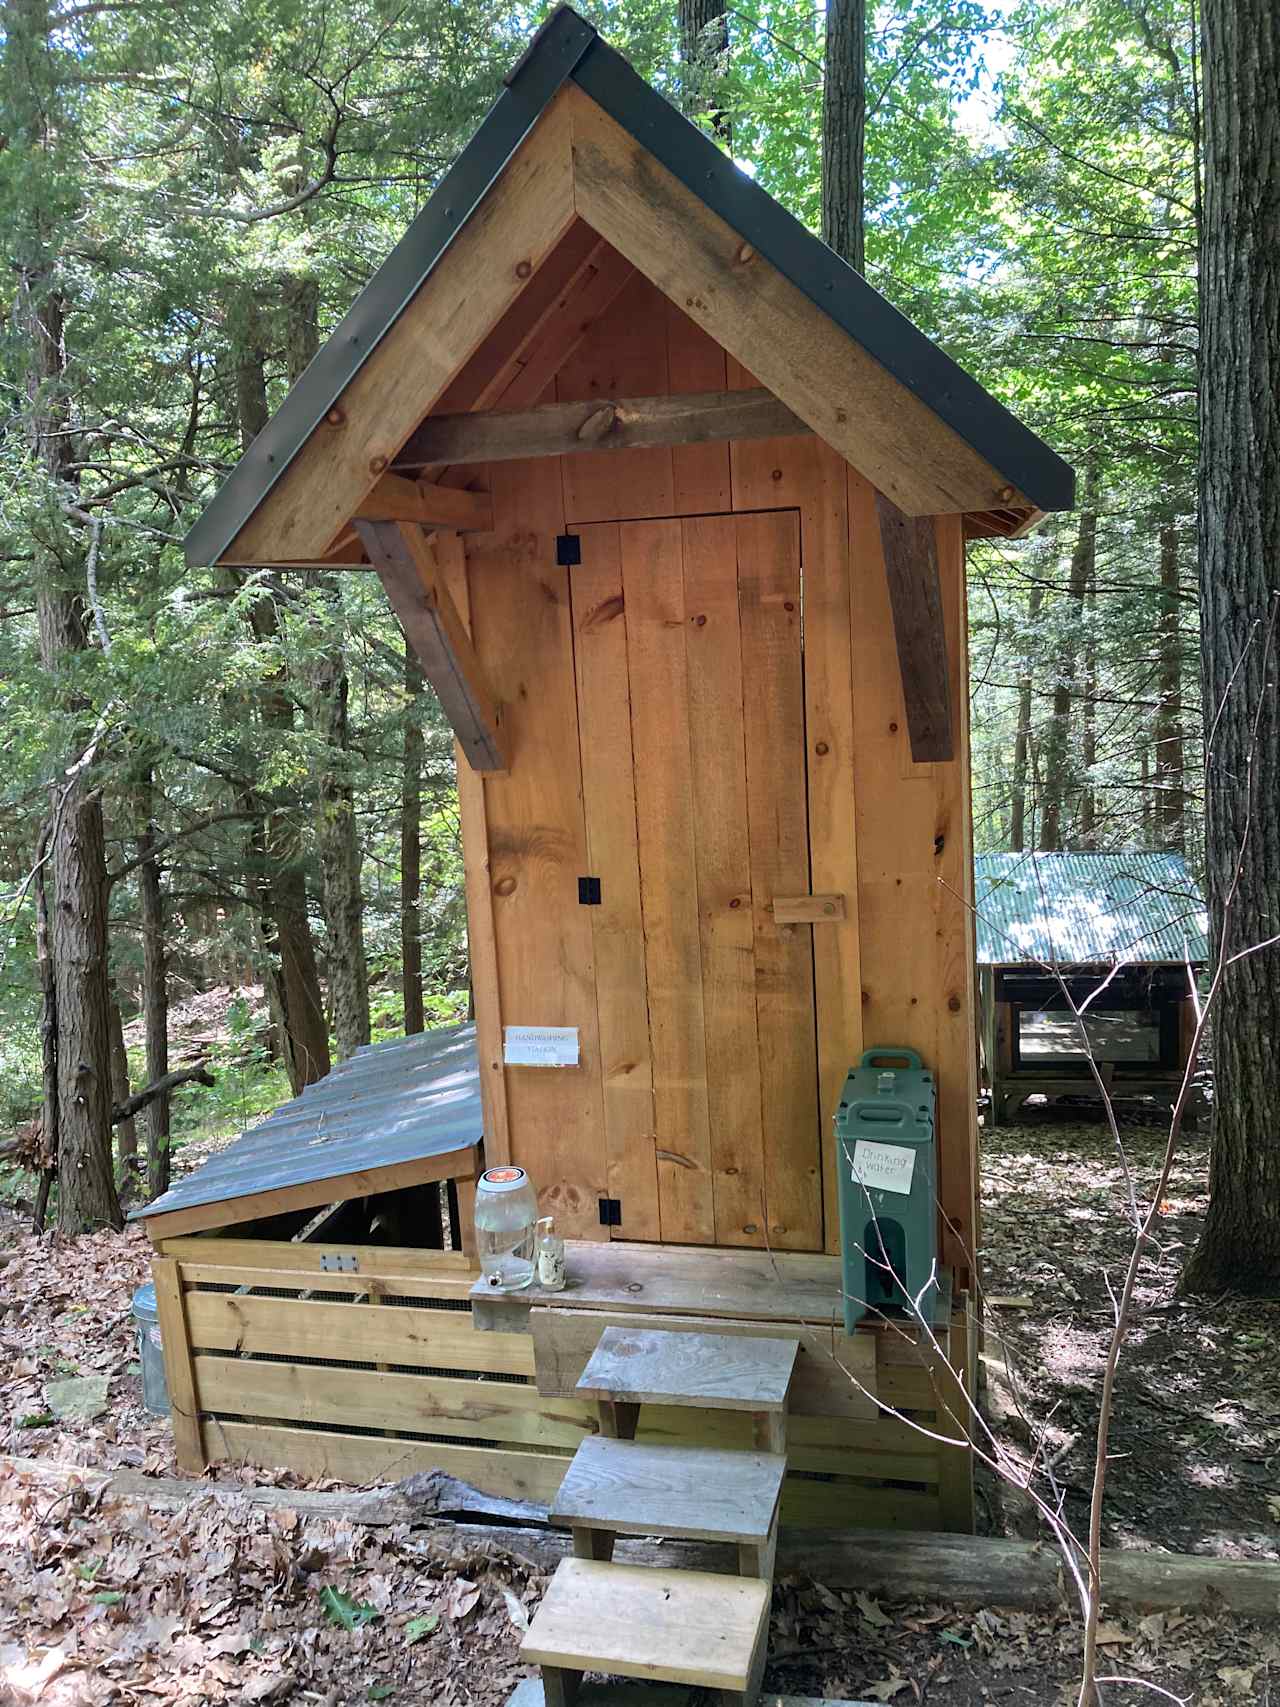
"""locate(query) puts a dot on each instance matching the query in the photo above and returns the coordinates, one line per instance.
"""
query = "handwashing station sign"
(540, 1045)
(883, 1167)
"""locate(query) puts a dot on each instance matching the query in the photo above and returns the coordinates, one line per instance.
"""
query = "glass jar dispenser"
(506, 1216)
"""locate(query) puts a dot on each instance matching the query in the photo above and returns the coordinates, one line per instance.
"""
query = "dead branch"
(158, 1087)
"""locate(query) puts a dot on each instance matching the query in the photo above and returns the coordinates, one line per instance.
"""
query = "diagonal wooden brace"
(406, 564)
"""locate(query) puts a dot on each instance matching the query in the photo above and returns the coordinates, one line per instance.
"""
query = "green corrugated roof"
(1088, 909)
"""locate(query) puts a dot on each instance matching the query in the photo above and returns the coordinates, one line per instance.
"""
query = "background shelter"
(1126, 932)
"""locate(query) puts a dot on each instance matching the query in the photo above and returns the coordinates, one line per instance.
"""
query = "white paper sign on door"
(883, 1167)
(540, 1045)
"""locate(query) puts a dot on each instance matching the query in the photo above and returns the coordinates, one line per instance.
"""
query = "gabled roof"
(1088, 909)
(1021, 473)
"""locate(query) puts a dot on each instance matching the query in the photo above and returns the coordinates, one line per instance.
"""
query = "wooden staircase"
(686, 1627)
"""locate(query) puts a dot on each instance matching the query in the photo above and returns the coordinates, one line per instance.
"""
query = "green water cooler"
(887, 1167)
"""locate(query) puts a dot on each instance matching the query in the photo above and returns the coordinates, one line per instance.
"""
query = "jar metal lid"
(503, 1179)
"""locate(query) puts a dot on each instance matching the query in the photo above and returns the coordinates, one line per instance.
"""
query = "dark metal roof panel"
(400, 1101)
(567, 46)
(546, 64)
(1088, 909)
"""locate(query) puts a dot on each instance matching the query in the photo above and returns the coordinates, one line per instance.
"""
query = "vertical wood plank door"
(691, 718)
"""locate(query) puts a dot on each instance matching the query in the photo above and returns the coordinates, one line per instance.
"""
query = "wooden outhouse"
(673, 506)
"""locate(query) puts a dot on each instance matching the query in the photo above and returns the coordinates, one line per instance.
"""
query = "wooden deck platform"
(686, 1280)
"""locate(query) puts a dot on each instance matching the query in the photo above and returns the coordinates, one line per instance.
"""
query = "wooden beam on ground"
(395, 499)
(629, 423)
(408, 570)
(958, 1570)
(915, 594)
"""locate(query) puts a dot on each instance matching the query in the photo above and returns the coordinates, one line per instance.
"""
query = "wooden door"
(690, 681)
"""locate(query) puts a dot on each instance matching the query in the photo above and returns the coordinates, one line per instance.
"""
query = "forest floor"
(107, 1602)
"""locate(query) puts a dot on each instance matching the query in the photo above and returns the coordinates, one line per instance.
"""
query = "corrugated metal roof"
(400, 1101)
(1088, 909)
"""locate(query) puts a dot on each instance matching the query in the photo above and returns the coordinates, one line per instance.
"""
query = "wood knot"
(953, 1002)
(377, 464)
(821, 749)
(505, 886)
(893, 728)
(336, 417)
(523, 269)
(597, 424)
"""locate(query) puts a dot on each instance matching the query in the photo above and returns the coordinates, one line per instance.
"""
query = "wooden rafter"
(915, 596)
(632, 423)
(406, 565)
(395, 499)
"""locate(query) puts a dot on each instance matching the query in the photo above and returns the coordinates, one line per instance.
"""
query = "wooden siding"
(571, 652)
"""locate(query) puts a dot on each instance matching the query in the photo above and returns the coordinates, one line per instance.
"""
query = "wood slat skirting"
(395, 1260)
(352, 1333)
(501, 1410)
(531, 1474)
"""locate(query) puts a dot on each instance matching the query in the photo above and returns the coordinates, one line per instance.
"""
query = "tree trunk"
(126, 1130)
(1239, 531)
(1057, 740)
(1089, 716)
(337, 834)
(338, 842)
(704, 52)
(281, 886)
(844, 125)
(1022, 741)
(411, 848)
(155, 991)
(48, 1030)
(1170, 755)
(86, 1187)
(32, 93)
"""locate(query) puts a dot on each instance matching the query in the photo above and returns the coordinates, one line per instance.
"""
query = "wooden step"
(700, 1492)
(638, 1621)
(728, 1372)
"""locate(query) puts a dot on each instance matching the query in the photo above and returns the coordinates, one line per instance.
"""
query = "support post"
(919, 628)
(179, 1368)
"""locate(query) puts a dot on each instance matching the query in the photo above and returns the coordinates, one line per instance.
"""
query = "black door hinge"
(588, 891)
(568, 550)
(611, 1212)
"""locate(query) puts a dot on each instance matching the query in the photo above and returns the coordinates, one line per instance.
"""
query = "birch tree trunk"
(1239, 531)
